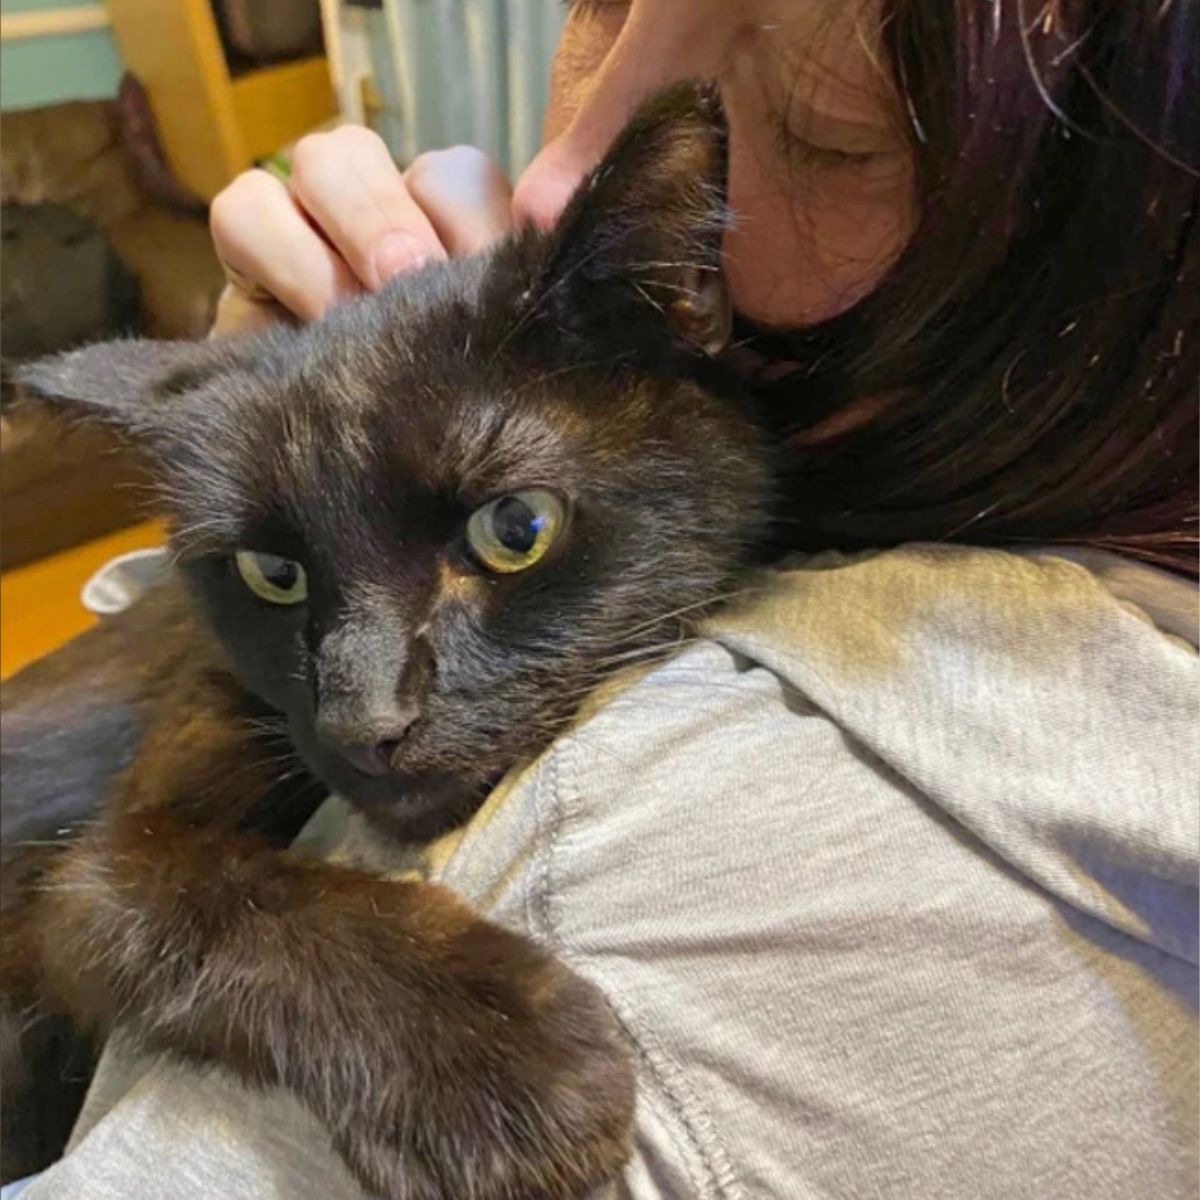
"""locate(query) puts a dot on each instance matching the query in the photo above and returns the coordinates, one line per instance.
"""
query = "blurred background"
(119, 121)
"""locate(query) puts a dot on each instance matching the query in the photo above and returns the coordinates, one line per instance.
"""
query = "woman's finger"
(239, 313)
(465, 195)
(347, 183)
(259, 232)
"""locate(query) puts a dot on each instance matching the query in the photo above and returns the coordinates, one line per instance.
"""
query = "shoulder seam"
(702, 1147)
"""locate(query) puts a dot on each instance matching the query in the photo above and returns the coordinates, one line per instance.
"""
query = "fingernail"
(396, 253)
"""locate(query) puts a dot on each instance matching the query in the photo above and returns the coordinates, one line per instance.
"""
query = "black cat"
(417, 535)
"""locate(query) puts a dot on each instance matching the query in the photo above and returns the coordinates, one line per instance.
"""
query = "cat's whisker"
(290, 756)
(228, 783)
(266, 735)
(53, 886)
(659, 650)
(683, 610)
(195, 539)
(670, 287)
(538, 306)
(659, 264)
(645, 295)
(650, 656)
(284, 776)
(274, 721)
(143, 491)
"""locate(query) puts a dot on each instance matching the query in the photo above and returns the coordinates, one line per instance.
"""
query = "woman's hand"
(346, 222)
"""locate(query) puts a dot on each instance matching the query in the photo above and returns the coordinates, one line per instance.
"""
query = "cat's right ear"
(133, 386)
(636, 255)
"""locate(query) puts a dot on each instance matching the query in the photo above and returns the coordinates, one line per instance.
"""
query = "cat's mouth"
(414, 807)
(423, 806)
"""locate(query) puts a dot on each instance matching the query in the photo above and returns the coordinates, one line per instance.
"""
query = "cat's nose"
(369, 747)
(371, 758)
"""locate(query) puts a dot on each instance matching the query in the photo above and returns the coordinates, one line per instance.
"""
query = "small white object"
(122, 580)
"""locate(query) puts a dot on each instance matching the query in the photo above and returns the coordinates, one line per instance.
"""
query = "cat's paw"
(523, 1089)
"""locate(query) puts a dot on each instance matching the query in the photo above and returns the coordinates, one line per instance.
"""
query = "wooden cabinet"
(214, 123)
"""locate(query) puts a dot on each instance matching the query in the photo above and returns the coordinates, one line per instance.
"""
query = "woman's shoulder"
(819, 862)
(875, 602)
(1046, 702)
(1020, 697)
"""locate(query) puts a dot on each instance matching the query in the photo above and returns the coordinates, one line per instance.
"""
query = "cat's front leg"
(45, 1065)
(448, 1057)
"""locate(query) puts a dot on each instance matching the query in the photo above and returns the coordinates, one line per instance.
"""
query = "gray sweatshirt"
(891, 878)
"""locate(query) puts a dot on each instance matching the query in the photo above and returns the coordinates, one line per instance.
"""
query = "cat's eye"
(514, 532)
(272, 578)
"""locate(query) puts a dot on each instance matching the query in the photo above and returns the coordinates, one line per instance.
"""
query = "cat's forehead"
(402, 393)
(424, 385)
(419, 434)
(421, 328)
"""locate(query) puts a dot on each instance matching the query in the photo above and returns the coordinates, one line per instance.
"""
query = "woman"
(891, 879)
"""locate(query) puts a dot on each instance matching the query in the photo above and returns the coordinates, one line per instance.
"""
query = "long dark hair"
(1033, 356)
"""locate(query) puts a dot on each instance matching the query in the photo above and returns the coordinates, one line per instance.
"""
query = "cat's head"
(428, 525)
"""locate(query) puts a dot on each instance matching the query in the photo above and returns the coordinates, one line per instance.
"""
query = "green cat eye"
(277, 580)
(514, 532)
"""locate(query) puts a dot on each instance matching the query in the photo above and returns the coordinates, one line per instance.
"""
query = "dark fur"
(448, 1057)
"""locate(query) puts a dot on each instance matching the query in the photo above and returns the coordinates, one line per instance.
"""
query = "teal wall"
(77, 66)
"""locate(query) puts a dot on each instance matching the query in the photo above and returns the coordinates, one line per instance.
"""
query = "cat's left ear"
(637, 252)
(133, 386)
